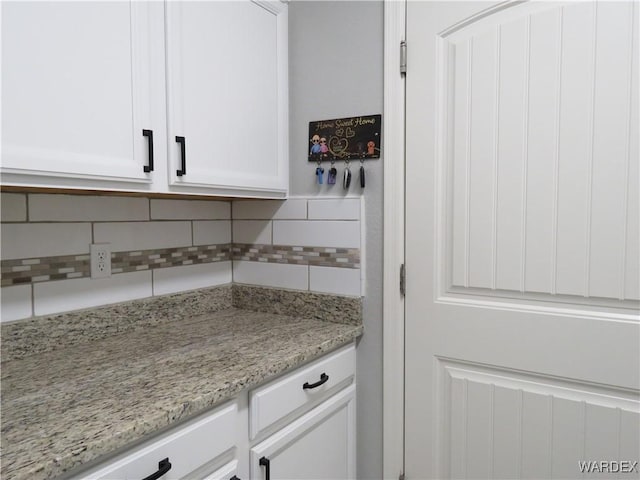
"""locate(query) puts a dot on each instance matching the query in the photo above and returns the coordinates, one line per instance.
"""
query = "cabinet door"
(319, 445)
(227, 472)
(227, 96)
(75, 92)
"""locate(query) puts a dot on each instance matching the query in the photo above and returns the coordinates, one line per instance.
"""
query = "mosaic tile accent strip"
(34, 270)
(124, 262)
(316, 256)
(45, 269)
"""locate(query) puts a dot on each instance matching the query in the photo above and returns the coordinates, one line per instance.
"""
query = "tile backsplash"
(162, 246)
(302, 244)
(158, 247)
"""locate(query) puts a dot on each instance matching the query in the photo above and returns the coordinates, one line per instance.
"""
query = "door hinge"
(403, 280)
(403, 57)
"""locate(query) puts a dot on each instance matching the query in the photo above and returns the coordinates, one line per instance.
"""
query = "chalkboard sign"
(353, 138)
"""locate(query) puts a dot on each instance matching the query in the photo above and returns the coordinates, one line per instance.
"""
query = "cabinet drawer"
(301, 388)
(187, 447)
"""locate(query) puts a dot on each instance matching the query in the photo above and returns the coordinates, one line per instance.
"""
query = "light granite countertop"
(68, 406)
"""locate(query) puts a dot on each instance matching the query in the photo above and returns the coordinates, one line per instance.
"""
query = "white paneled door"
(522, 244)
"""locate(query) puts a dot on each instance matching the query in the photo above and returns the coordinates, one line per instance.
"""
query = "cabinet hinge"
(403, 280)
(403, 57)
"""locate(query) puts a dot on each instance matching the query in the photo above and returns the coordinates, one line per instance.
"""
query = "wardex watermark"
(608, 466)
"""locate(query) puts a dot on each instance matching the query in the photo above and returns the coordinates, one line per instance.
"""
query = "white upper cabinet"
(83, 84)
(74, 77)
(227, 95)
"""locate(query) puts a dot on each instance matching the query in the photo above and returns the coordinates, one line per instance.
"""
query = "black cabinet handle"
(264, 462)
(234, 478)
(324, 378)
(149, 134)
(183, 153)
(163, 467)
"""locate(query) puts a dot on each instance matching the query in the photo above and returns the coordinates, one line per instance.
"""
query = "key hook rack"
(352, 138)
(344, 140)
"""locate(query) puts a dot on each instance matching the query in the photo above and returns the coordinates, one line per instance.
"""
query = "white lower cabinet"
(189, 451)
(299, 426)
(319, 445)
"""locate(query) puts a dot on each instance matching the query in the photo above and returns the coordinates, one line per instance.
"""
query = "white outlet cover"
(100, 260)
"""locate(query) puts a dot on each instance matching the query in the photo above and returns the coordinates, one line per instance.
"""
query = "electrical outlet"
(100, 260)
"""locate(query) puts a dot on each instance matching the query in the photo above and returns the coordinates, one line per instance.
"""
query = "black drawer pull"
(264, 462)
(183, 153)
(163, 467)
(234, 478)
(149, 134)
(324, 378)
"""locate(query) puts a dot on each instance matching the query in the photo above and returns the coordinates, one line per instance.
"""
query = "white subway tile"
(271, 274)
(341, 281)
(334, 209)
(66, 295)
(13, 207)
(316, 233)
(26, 240)
(124, 236)
(252, 231)
(16, 302)
(189, 277)
(163, 209)
(212, 232)
(295, 209)
(86, 208)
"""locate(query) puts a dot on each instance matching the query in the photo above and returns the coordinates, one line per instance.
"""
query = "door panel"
(522, 328)
(542, 128)
(575, 126)
(505, 424)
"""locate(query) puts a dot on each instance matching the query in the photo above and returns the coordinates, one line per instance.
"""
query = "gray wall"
(336, 70)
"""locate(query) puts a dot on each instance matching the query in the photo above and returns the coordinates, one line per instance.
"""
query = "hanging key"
(346, 179)
(319, 175)
(333, 173)
(361, 173)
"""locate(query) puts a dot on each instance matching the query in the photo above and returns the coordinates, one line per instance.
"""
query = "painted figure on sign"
(371, 148)
(315, 145)
(323, 147)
